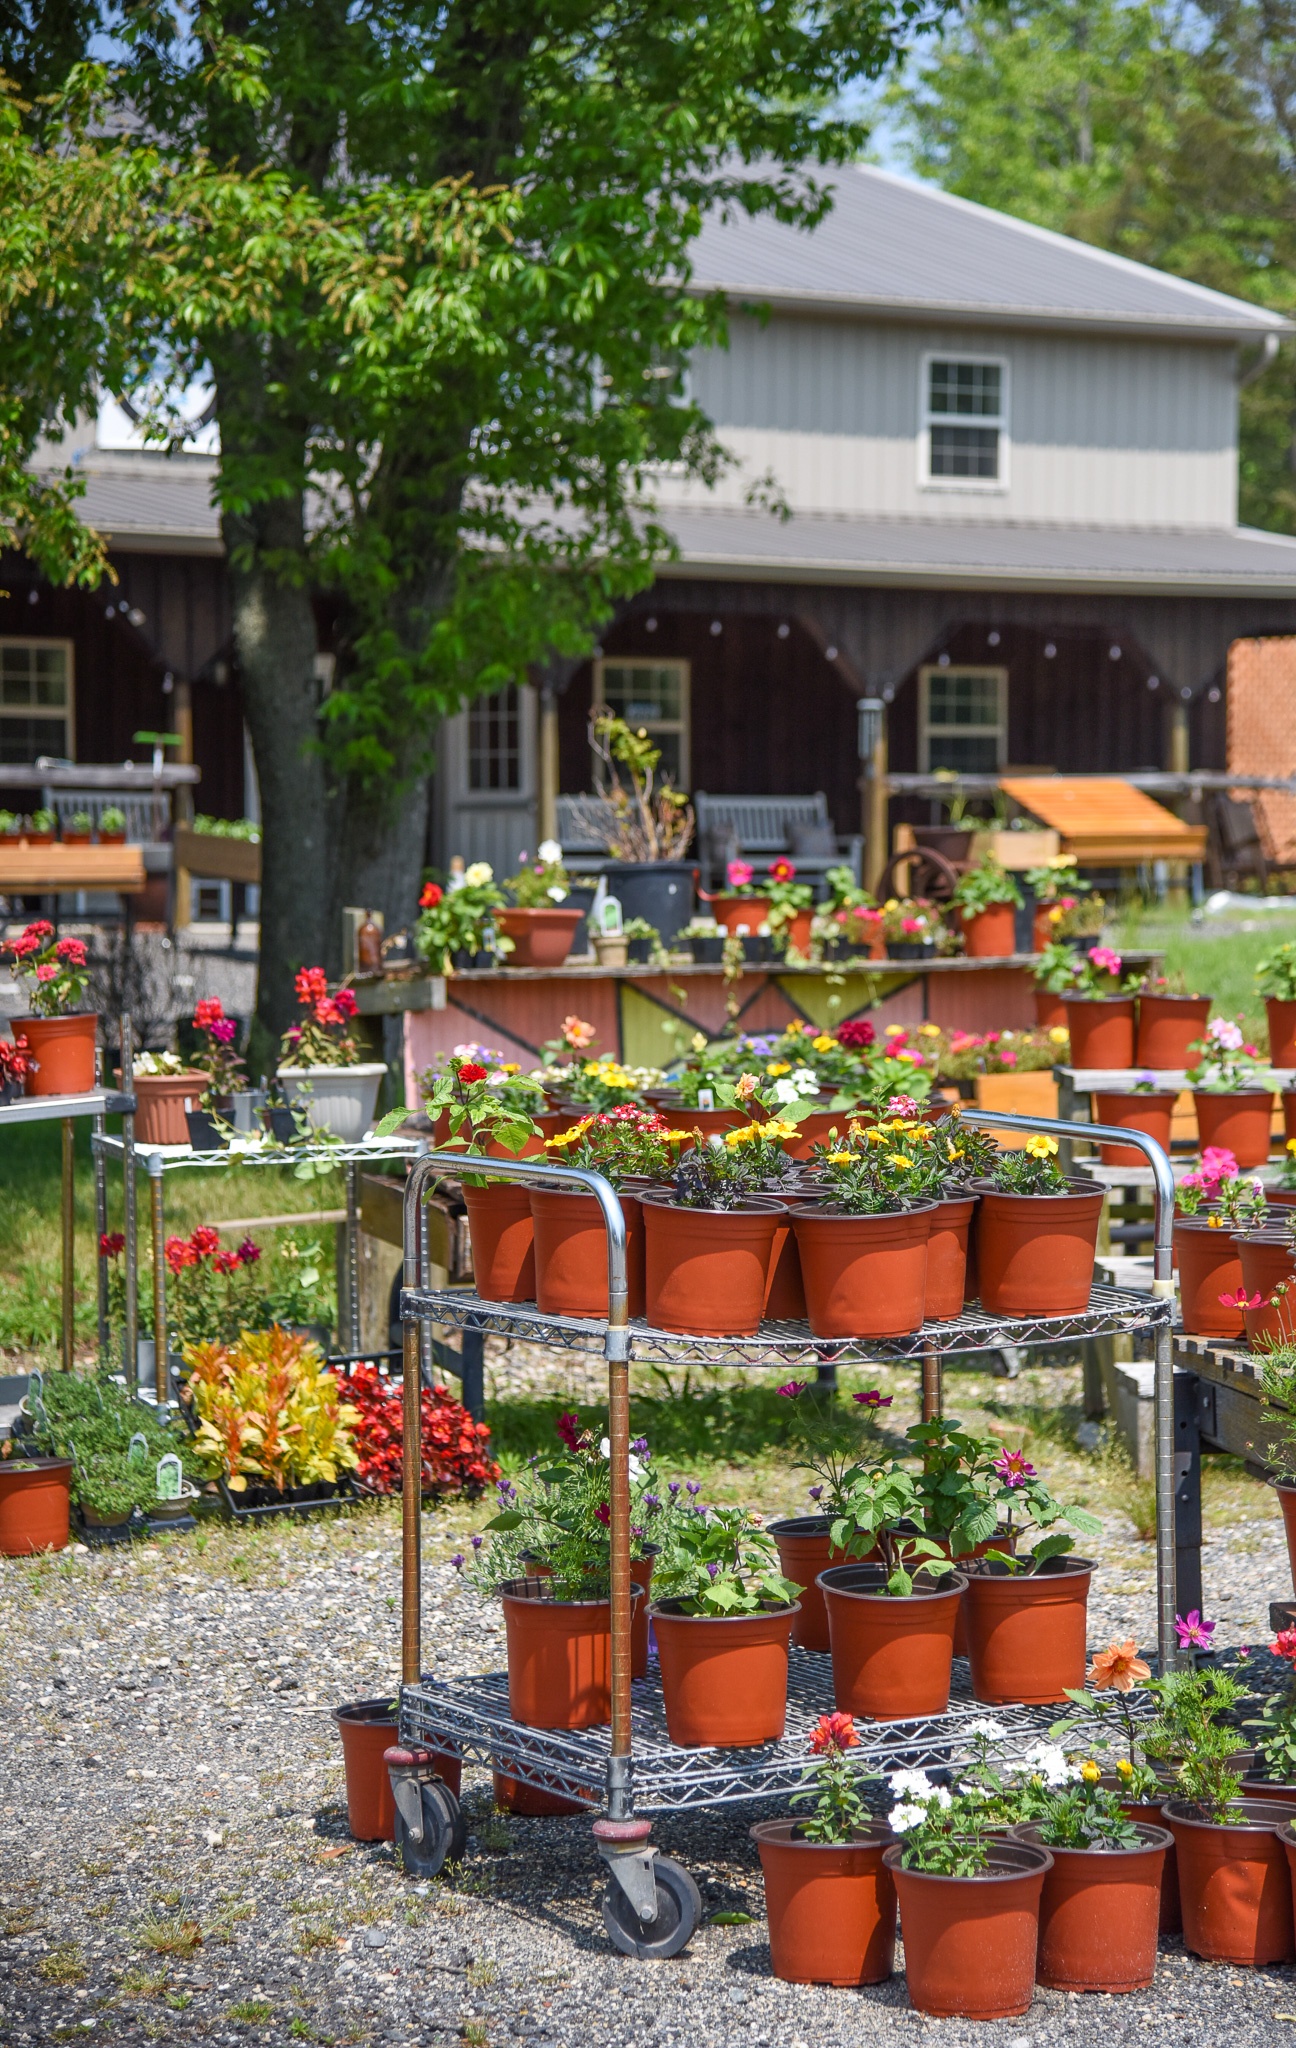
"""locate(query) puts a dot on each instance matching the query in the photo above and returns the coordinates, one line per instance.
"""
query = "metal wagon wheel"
(930, 875)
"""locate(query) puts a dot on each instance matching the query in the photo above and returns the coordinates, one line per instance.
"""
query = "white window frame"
(683, 725)
(995, 486)
(961, 668)
(44, 640)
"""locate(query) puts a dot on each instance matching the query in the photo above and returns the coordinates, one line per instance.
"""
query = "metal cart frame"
(646, 1908)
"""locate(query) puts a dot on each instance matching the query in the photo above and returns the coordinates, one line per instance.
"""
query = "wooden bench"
(760, 828)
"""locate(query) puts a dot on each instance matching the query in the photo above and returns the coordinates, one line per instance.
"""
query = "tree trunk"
(380, 858)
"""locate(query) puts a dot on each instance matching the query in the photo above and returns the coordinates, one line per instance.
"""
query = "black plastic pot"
(907, 949)
(754, 947)
(661, 892)
(708, 952)
(281, 1122)
(1024, 919)
(203, 1134)
(462, 961)
(639, 951)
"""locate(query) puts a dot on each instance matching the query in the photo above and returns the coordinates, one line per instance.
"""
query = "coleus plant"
(269, 1412)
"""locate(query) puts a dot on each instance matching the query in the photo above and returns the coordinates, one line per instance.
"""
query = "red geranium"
(208, 1012)
(855, 1034)
(431, 896)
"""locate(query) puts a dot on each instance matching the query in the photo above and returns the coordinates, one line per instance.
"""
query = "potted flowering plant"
(451, 1106)
(1100, 1011)
(60, 1035)
(1233, 1110)
(1056, 888)
(1170, 1021)
(705, 938)
(949, 1163)
(986, 899)
(1143, 1106)
(1100, 1909)
(1216, 1205)
(709, 1243)
(863, 1247)
(791, 910)
(909, 927)
(538, 919)
(1056, 971)
(1103, 1714)
(215, 1290)
(836, 1447)
(1275, 980)
(216, 1063)
(628, 1146)
(1037, 1233)
(1026, 1609)
(743, 906)
(652, 823)
(496, 1121)
(456, 923)
(165, 1088)
(723, 1620)
(322, 1067)
(829, 1900)
(598, 1084)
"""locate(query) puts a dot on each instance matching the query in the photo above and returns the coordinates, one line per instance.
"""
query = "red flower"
(833, 1731)
(24, 947)
(470, 1071)
(327, 1011)
(47, 971)
(311, 984)
(111, 1244)
(41, 929)
(1284, 1645)
(603, 1513)
(431, 896)
(205, 1241)
(855, 1034)
(208, 1012)
(179, 1253)
(226, 1262)
(782, 870)
(345, 1002)
(249, 1252)
(72, 951)
(569, 1429)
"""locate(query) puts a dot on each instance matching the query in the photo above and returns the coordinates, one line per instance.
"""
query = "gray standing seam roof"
(891, 246)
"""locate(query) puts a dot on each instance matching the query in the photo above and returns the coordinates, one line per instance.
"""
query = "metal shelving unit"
(631, 1763)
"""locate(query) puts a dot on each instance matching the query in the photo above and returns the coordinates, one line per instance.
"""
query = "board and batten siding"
(1104, 432)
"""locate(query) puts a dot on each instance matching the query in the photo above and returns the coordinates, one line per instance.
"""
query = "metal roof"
(943, 554)
(893, 247)
(156, 504)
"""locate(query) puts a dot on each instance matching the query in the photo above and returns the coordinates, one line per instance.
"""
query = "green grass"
(1216, 957)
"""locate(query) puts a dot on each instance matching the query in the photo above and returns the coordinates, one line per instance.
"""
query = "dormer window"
(965, 421)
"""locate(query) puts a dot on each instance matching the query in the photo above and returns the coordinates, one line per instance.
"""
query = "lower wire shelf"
(470, 1718)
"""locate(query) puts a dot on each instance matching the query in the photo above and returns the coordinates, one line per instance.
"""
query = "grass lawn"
(1216, 956)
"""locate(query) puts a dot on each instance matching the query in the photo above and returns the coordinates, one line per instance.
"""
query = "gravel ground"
(175, 1865)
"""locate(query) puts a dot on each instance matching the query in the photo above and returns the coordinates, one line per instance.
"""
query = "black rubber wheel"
(445, 1833)
(679, 1909)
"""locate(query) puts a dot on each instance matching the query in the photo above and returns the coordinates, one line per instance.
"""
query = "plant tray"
(306, 1500)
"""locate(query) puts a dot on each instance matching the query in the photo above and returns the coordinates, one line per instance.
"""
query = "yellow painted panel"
(1020, 1094)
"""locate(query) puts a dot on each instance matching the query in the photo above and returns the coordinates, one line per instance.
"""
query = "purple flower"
(1013, 1468)
(505, 1489)
(791, 1388)
(458, 1560)
(636, 1532)
(816, 1493)
(1194, 1633)
(694, 1486)
(652, 1500)
(224, 1030)
(673, 1488)
(640, 1446)
(713, 1569)
(873, 1399)
(477, 1542)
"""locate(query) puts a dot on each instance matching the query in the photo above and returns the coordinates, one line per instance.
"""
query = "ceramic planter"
(723, 1677)
(1236, 1123)
(970, 1942)
(1168, 1026)
(1210, 1265)
(337, 1099)
(63, 1049)
(864, 1276)
(1099, 1913)
(1102, 1030)
(805, 1550)
(541, 938)
(1035, 1253)
(1282, 1031)
(1268, 1263)
(163, 1100)
(831, 1906)
(503, 1242)
(947, 1259)
(368, 1728)
(559, 1657)
(1026, 1631)
(571, 1253)
(891, 1658)
(1234, 1886)
(706, 1270)
(991, 934)
(1150, 1113)
(1050, 1011)
(34, 1495)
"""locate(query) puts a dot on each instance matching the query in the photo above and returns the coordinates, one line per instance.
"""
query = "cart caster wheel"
(679, 1909)
(445, 1832)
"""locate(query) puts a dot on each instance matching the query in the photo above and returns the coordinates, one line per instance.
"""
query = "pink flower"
(912, 925)
(855, 1034)
(1009, 1059)
(873, 1399)
(72, 951)
(1105, 960)
(1223, 1033)
(603, 1513)
(902, 1105)
(1284, 1645)
(1241, 1299)
(224, 1031)
(569, 1429)
(738, 874)
(49, 972)
(1013, 1468)
(1194, 1633)
(782, 870)
(791, 1388)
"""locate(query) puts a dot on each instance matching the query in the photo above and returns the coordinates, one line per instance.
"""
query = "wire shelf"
(1111, 1311)
(471, 1718)
(255, 1151)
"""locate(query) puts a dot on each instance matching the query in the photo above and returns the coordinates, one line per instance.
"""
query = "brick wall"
(1262, 733)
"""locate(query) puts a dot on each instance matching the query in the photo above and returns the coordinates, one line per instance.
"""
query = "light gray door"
(487, 784)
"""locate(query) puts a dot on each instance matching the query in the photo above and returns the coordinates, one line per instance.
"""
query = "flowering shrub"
(54, 969)
(321, 1039)
(909, 920)
(1106, 1715)
(216, 1057)
(269, 1411)
(604, 1084)
(961, 1054)
(455, 1461)
(1227, 1061)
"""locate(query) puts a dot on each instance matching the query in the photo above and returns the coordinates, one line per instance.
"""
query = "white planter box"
(337, 1099)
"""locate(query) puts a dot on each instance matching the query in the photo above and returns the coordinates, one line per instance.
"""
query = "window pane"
(494, 741)
(965, 451)
(969, 753)
(15, 689)
(642, 692)
(971, 389)
(956, 698)
(22, 739)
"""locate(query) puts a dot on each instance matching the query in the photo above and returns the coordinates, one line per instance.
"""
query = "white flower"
(549, 851)
(636, 1464)
(789, 1089)
(807, 1081)
(556, 895)
(943, 1798)
(994, 1731)
(479, 873)
(905, 1817)
(916, 1783)
(1048, 1761)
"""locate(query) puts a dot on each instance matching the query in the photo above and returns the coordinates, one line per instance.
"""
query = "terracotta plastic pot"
(1035, 1253)
(731, 911)
(1102, 1030)
(947, 1257)
(1237, 1123)
(64, 1051)
(723, 1677)
(1268, 1264)
(1170, 1920)
(541, 938)
(1099, 1913)
(797, 930)
(1050, 1010)
(708, 1123)
(1282, 1031)
(805, 1550)
(1286, 1492)
(1026, 1631)
(814, 1130)
(368, 1728)
(559, 1657)
(970, 1942)
(1168, 1026)
(891, 1658)
(864, 1276)
(1210, 1264)
(1151, 1114)
(1288, 1100)
(1265, 1788)
(991, 934)
(503, 1242)
(34, 1495)
(1234, 1885)
(785, 1290)
(571, 1253)
(831, 1906)
(163, 1100)
(706, 1270)
(532, 1800)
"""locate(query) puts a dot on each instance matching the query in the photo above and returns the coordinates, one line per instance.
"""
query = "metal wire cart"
(651, 1905)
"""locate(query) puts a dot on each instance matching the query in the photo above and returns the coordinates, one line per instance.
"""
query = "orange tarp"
(1103, 820)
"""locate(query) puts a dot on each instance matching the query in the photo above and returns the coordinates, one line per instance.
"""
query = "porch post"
(873, 786)
(547, 791)
(1177, 764)
(182, 706)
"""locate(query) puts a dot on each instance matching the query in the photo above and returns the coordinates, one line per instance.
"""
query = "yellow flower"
(877, 1136)
(898, 1159)
(510, 1067)
(894, 1031)
(929, 1031)
(1291, 1144)
(1090, 1773)
(840, 1158)
(1040, 1147)
(1057, 914)
(921, 1134)
(823, 1043)
(591, 1067)
(1217, 1223)
(1125, 1768)
(778, 1067)
(892, 903)
(795, 1028)
(778, 1128)
(953, 1152)
(698, 1041)
(1059, 1035)
(675, 1137)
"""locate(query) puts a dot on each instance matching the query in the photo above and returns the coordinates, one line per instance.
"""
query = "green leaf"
(391, 1122)
(731, 1919)
(1081, 1519)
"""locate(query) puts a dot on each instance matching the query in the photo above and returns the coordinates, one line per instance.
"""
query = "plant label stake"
(168, 1476)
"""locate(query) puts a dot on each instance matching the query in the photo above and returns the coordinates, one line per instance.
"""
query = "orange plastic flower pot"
(991, 934)
(1268, 1264)
(532, 1800)
(1288, 1100)
(1035, 1253)
(723, 1677)
(571, 1253)
(891, 1658)
(1286, 1492)
(1168, 1026)
(1237, 1123)
(34, 1495)
(503, 1241)
(831, 1906)
(1050, 1011)
(1102, 1030)
(1170, 1920)
(1026, 1631)
(706, 1270)
(814, 1130)
(163, 1100)
(1210, 1265)
(708, 1123)
(805, 1549)
(1099, 1914)
(1151, 1114)
(1282, 1032)
(864, 1276)
(368, 1728)
(947, 1258)
(64, 1051)
(785, 1291)
(970, 1942)
(541, 938)
(732, 911)
(559, 1657)
(1234, 1886)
